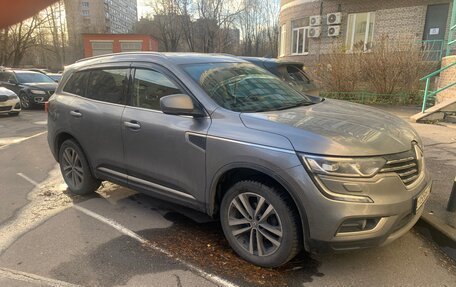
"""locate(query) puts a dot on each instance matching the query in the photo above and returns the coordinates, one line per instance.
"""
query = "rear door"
(95, 117)
(164, 154)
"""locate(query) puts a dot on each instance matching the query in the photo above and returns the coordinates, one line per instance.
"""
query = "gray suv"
(281, 170)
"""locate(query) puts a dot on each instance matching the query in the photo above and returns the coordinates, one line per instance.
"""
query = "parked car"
(9, 102)
(33, 88)
(291, 72)
(282, 170)
(55, 76)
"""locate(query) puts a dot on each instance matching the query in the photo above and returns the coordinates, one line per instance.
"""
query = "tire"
(75, 169)
(13, 114)
(282, 224)
(26, 104)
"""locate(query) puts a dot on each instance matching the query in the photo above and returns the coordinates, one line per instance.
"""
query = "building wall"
(101, 16)
(446, 78)
(148, 43)
(398, 19)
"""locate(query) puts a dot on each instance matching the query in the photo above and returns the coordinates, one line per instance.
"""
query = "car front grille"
(6, 108)
(3, 98)
(405, 165)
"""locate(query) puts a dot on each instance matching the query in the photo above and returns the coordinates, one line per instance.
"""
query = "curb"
(439, 226)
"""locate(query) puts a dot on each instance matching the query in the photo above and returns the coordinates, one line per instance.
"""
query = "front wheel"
(260, 224)
(25, 101)
(75, 169)
(13, 114)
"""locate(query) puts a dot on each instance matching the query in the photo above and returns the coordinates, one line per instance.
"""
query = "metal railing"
(428, 94)
(433, 50)
(451, 40)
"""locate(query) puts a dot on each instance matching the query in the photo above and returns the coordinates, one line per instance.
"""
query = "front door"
(435, 29)
(161, 155)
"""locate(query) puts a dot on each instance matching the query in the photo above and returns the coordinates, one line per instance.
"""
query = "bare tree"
(167, 23)
(258, 22)
(19, 38)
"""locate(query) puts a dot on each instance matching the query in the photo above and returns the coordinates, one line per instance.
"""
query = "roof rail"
(117, 54)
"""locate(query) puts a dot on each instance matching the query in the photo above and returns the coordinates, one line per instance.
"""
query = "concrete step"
(437, 112)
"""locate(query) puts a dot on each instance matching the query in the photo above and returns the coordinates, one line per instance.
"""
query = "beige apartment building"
(98, 16)
(312, 28)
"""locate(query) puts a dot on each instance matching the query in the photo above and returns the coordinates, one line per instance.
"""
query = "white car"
(9, 102)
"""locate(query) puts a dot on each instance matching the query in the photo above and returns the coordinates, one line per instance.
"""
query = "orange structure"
(99, 44)
(12, 12)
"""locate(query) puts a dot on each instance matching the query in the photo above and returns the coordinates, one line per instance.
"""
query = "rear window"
(77, 83)
(108, 85)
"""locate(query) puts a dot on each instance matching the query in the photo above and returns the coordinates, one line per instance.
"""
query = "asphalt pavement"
(118, 237)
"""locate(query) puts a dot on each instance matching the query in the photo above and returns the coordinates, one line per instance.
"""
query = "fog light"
(358, 225)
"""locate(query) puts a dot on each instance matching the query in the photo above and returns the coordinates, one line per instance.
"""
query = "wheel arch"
(60, 138)
(235, 172)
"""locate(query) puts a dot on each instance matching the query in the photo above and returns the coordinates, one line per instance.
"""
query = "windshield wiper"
(302, 104)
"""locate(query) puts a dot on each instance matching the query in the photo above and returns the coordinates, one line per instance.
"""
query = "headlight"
(12, 97)
(38, 92)
(347, 167)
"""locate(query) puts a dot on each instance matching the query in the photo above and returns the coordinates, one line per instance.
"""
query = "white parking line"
(122, 229)
(28, 179)
(23, 139)
(33, 278)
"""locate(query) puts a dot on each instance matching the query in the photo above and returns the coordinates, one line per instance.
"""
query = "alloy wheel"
(255, 224)
(25, 102)
(72, 167)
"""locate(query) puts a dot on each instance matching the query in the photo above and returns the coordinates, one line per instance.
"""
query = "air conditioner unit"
(334, 18)
(334, 31)
(314, 32)
(315, 20)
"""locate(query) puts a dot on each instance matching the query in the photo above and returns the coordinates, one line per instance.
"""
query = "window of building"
(131, 46)
(299, 37)
(101, 48)
(283, 39)
(85, 13)
(149, 87)
(85, 4)
(108, 85)
(360, 31)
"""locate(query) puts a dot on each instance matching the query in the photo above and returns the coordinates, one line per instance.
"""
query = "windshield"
(33, 78)
(244, 87)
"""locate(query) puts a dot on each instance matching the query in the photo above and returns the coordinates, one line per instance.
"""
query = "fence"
(374, 98)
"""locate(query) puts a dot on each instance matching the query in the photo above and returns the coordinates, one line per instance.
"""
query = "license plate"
(421, 199)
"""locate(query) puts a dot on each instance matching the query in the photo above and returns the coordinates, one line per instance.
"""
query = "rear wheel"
(75, 169)
(260, 224)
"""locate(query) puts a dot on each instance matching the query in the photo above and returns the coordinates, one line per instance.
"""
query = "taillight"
(46, 107)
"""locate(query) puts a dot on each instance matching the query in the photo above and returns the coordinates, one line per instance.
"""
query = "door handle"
(134, 125)
(76, 114)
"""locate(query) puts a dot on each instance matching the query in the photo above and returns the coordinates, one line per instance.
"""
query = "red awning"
(14, 11)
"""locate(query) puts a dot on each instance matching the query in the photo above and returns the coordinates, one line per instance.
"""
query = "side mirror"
(179, 104)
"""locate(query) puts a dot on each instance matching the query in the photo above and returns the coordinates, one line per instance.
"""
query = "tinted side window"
(77, 83)
(108, 85)
(6, 76)
(3, 77)
(149, 86)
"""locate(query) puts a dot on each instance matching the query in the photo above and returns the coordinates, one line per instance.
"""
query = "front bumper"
(393, 209)
(10, 106)
(38, 99)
